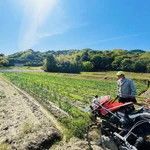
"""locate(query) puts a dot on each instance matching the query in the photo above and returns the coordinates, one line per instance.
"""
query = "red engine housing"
(110, 105)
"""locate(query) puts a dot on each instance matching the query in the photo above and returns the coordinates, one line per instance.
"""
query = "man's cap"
(120, 73)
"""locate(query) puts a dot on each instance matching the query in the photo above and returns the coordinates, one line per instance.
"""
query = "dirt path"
(24, 124)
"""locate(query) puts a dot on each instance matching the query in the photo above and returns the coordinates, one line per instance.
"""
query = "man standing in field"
(126, 88)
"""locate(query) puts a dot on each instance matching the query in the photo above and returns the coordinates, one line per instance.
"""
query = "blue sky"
(74, 24)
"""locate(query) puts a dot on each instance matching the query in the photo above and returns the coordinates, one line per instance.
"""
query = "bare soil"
(76, 144)
(23, 123)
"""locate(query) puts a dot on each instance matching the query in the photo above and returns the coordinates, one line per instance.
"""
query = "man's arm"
(117, 89)
(133, 89)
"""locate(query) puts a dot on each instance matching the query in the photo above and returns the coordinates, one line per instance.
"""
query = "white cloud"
(35, 15)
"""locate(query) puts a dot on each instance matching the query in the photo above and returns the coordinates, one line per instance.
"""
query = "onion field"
(71, 93)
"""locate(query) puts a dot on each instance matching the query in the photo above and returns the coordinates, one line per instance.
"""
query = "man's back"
(126, 88)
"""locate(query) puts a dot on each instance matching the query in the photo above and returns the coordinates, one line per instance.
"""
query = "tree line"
(75, 61)
(91, 60)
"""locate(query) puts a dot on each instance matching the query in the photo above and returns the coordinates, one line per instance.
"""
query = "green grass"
(67, 91)
(70, 88)
(112, 74)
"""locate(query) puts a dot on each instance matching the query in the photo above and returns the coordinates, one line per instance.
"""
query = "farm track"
(24, 124)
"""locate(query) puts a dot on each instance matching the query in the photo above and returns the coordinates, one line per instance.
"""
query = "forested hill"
(82, 60)
(31, 57)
